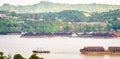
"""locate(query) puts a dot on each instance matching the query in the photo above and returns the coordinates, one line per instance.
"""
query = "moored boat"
(49, 34)
(114, 50)
(93, 50)
(35, 51)
(40, 51)
(98, 50)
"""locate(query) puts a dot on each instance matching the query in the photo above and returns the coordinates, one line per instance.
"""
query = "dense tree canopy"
(18, 56)
(64, 21)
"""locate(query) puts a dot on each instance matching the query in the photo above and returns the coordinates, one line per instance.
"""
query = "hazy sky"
(29, 2)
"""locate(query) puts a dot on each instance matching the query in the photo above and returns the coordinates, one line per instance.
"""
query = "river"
(60, 47)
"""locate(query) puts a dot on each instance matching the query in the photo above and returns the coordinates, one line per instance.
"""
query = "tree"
(18, 56)
(1, 55)
(116, 25)
(9, 56)
(67, 28)
(34, 56)
(13, 14)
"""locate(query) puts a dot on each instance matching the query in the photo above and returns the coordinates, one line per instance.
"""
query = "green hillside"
(56, 7)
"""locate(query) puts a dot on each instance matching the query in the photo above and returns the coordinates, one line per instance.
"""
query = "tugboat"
(40, 51)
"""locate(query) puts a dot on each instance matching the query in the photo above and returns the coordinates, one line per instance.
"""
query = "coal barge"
(99, 50)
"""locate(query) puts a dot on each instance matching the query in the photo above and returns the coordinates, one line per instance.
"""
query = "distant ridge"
(45, 6)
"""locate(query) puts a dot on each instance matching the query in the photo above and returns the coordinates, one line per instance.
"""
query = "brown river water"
(60, 47)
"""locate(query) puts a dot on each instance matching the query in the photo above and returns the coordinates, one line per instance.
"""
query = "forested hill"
(44, 6)
(64, 21)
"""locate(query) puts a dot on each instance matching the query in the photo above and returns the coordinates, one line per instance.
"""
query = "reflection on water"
(94, 57)
(60, 47)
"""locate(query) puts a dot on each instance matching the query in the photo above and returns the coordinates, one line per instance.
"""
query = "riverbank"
(70, 34)
(94, 35)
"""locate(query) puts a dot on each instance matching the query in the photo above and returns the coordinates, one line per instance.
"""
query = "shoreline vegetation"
(18, 56)
(64, 21)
